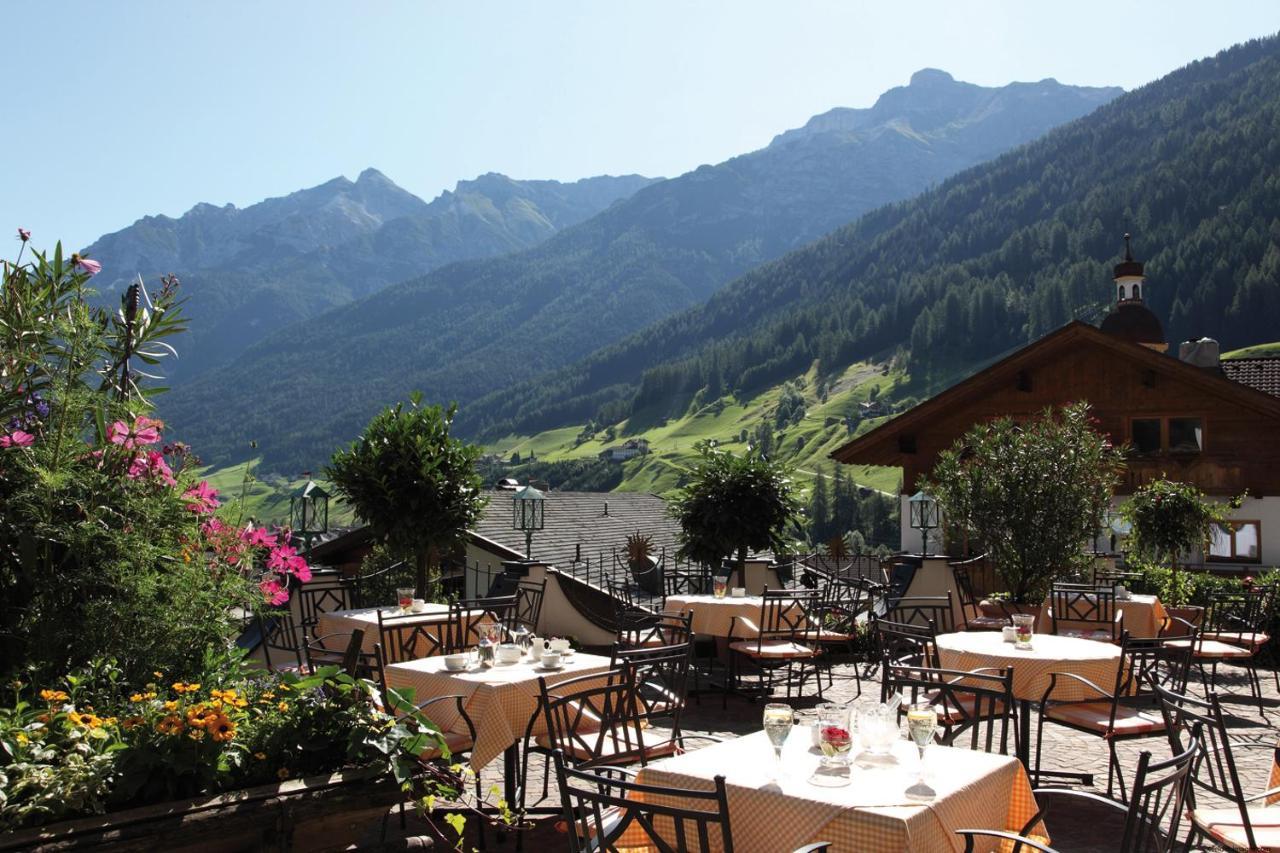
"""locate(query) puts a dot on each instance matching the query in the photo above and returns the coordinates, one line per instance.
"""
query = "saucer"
(544, 668)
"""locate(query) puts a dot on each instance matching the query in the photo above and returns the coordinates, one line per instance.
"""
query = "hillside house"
(622, 452)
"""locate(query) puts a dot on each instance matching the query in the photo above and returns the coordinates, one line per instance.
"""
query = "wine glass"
(922, 723)
(778, 720)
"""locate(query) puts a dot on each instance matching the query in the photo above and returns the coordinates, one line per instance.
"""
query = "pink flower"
(17, 438)
(91, 267)
(214, 527)
(273, 592)
(144, 431)
(24, 235)
(280, 557)
(258, 537)
(151, 465)
(204, 498)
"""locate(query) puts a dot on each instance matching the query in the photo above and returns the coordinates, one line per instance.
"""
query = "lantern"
(528, 515)
(309, 512)
(924, 517)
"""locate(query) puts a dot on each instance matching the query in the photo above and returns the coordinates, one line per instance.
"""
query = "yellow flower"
(170, 725)
(85, 721)
(136, 697)
(267, 694)
(282, 707)
(110, 721)
(159, 675)
(170, 705)
(24, 740)
(54, 696)
(221, 728)
(282, 773)
(241, 703)
(261, 756)
(199, 715)
(196, 734)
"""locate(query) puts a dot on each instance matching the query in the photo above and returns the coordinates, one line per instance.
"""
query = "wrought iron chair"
(1148, 823)
(686, 583)
(408, 637)
(367, 589)
(1234, 630)
(1130, 709)
(1241, 826)
(922, 609)
(974, 620)
(979, 702)
(659, 677)
(529, 595)
(279, 638)
(782, 641)
(1132, 581)
(322, 595)
(1085, 612)
(647, 630)
(344, 649)
(470, 617)
(905, 643)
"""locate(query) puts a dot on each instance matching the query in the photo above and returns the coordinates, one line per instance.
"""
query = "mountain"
(249, 272)
(991, 259)
(472, 327)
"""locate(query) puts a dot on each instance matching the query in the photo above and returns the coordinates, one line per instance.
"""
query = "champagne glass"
(922, 723)
(778, 720)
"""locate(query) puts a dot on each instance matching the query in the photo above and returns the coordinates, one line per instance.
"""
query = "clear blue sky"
(121, 109)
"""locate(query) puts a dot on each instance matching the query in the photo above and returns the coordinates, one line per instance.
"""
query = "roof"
(880, 445)
(1132, 321)
(1260, 374)
(599, 522)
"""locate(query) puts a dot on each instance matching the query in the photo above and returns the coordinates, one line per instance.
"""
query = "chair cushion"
(1238, 638)
(1225, 827)
(752, 648)
(1095, 716)
(967, 710)
(1210, 649)
(617, 750)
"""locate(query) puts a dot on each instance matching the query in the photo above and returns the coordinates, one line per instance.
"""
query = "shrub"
(1167, 519)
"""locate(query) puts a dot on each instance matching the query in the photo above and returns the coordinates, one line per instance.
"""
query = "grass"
(265, 501)
(1255, 351)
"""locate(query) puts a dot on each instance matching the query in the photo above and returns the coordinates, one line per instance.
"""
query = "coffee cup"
(457, 662)
(509, 653)
(1009, 634)
(562, 646)
(551, 660)
(419, 606)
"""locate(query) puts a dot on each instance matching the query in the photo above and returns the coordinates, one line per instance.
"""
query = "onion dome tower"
(1131, 320)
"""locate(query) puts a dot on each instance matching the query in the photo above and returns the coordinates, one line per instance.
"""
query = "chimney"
(1202, 353)
(606, 507)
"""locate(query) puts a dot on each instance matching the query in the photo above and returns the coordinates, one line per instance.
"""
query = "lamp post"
(924, 517)
(528, 514)
(309, 511)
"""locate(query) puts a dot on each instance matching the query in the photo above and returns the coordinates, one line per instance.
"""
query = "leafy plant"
(735, 504)
(1033, 492)
(1169, 518)
(413, 483)
(639, 549)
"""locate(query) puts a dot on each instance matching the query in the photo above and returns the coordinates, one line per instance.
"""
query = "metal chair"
(407, 637)
(469, 617)
(647, 630)
(1085, 612)
(1130, 709)
(1234, 630)
(323, 594)
(686, 583)
(905, 643)
(922, 609)
(783, 640)
(974, 620)
(529, 595)
(979, 702)
(278, 635)
(344, 649)
(1199, 723)
(1148, 823)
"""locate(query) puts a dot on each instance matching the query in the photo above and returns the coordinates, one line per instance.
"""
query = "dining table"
(714, 617)
(501, 701)
(777, 805)
(1095, 660)
(366, 619)
(1144, 615)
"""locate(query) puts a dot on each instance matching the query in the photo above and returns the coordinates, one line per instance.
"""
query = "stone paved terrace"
(1064, 750)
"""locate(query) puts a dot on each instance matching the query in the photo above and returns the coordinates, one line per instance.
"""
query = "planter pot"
(1005, 609)
(1192, 614)
(320, 813)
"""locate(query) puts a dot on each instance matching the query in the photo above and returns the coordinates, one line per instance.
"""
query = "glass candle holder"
(1024, 627)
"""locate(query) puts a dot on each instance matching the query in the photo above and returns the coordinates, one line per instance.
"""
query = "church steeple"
(1131, 320)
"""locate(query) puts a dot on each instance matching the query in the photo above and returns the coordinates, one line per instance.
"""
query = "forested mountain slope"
(472, 327)
(994, 257)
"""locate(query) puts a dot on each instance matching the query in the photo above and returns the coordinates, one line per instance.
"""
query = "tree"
(735, 504)
(1033, 492)
(1168, 518)
(414, 484)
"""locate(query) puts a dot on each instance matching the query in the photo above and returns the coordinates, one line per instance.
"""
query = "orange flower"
(282, 707)
(84, 720)
(52, 696)
(261, 756)
(131, 722)
(170, 725)
(196, 734)
(199, 715)
(220, 728)
(170, 705)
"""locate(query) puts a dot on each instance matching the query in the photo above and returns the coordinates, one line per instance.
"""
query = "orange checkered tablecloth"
(975, 790)
(500, 700)
(1144, 616)
(1097, 661)
(713, 617)
(366, 619)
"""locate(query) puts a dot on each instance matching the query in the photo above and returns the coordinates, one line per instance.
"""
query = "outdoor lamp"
(924, 517)
(527, 514)
(309, 511)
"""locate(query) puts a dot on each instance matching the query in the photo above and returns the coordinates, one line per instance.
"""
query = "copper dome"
(1134, 322)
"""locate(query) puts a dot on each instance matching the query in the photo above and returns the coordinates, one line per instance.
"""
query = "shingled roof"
(1261, 374)
(589, 525)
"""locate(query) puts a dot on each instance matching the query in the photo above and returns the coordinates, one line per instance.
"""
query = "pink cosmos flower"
(273, 592)
(144, 431)
(258, 537)
(214, 527)
(24, 235)
(280, 557)
(151, 465)
(17, 438)
(91, 267)
(204, 498)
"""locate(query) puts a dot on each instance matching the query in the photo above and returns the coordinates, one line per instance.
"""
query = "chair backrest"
(408, 637)
(787, 614)
(468, 615)
(979, 703)
(964, 583)
(279, 637)
(367, 590)
(840, 604)
(1158, 800)
(603, 803)
(696, 581)
(1237, 612)
(345, 649)
(641, 629)
(1188, 717)
(620, 589)
(922, 609)
(529, 595)
(905, 643)
(1083, 604)
(1148, 662)
(593, 719)
(322, 596)
(659, 677)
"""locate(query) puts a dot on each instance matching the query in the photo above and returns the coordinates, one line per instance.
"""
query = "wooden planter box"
(319, 813)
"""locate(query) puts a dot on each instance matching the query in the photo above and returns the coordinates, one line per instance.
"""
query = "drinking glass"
(834, 736)
(922, 723)
(1023, 624)
(720, 586)
(404, 597)
(778, 720)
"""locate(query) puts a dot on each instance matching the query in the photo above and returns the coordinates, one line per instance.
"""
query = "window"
(1178, 434)
(1145, 435)
(1236, 542)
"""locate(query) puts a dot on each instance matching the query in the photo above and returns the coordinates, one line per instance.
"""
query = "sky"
(121, 109)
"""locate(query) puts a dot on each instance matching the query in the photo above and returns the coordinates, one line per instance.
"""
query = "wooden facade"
(1129, 387)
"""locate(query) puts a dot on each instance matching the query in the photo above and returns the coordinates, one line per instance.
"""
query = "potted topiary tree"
(1033, 491)
(1168, 518)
